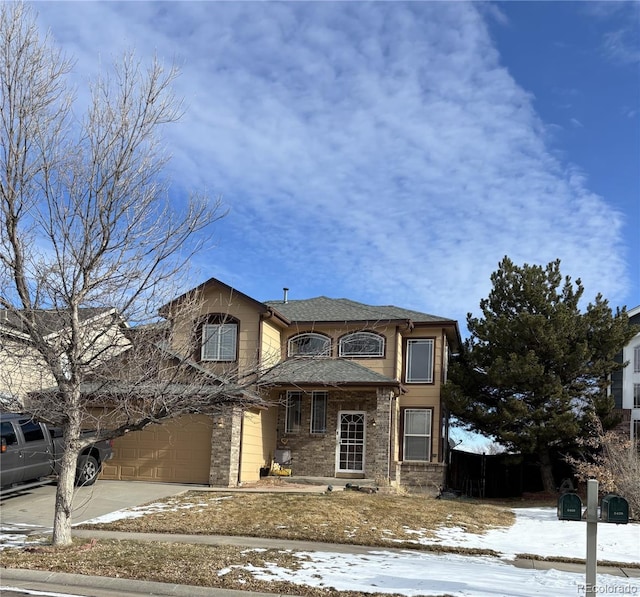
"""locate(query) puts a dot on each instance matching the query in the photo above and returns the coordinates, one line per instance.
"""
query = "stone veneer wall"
(314, 455)
(423, 477)
(225, 449)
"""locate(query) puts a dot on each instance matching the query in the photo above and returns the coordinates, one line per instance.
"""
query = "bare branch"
(91, 239)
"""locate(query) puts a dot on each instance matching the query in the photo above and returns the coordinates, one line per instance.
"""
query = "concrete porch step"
(335, 482)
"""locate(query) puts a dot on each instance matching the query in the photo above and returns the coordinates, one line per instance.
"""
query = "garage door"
(176, 452)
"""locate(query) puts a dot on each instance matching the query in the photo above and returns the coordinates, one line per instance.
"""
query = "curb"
(102, 585)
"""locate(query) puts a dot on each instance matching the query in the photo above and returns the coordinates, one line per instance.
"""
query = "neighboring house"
(353, 391)
(626, 383)
(22, 369)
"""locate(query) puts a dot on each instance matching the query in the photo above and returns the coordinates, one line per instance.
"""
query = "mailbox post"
(613, 508)
(592, 536)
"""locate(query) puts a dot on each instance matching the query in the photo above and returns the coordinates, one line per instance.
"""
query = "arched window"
(218, 338)
(307, 345)
(362, 344)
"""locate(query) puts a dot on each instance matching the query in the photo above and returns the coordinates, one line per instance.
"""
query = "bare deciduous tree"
(614, 460)
(90, 240)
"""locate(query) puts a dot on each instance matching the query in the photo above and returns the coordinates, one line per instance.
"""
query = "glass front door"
(350, 451)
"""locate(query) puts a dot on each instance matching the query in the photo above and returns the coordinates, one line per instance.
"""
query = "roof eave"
(164, 309)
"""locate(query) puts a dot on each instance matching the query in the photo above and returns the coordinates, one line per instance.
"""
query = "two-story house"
(352, 391)
(22, 368)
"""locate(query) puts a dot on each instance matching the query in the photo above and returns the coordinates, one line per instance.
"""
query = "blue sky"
(392, 152)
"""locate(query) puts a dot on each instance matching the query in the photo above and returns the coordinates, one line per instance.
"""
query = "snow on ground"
(536, 531)
(23, 591)
(414, 573)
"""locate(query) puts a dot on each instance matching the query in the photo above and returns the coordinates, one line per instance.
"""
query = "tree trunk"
(66, 484)
(546, 471)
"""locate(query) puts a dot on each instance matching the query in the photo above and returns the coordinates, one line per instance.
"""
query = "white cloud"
(371, 150)
(620, 43)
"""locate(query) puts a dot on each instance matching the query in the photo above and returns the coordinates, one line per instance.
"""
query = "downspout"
(398, 376)
(239, 484)
(389, 440)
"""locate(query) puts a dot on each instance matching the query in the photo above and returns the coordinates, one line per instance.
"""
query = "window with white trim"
(419, 367)
(636, 395)
(416, 444)
(219, 341)
(293, 413)
(362, 344)
(309, 344)
(636, 359)
(319, 402)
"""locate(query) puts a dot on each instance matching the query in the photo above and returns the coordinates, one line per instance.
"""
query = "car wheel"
(87, 471)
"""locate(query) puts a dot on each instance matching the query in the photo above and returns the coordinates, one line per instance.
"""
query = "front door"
(350, 450)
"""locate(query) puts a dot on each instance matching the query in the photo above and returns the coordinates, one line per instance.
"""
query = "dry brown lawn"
(378, 519)
(340, 517)
(196, 565)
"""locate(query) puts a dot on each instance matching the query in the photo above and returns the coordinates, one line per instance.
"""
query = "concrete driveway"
(35, 507)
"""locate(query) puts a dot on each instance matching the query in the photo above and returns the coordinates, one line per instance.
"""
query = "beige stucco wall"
(258, 443)
(22, 370)
(219, 300)
(271, 344)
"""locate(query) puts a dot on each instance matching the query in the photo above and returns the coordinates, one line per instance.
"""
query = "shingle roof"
(324, 372)
(50, 320)
(327, 309)
(114, 388)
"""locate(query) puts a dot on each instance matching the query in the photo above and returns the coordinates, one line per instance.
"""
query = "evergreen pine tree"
(535, 370)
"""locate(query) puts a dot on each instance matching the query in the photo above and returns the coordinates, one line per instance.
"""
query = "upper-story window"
(419, 367)
(309, 344)
(362, 344)
(219, 337)
(636, 359)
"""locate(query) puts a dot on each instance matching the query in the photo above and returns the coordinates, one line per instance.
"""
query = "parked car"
(30, 451)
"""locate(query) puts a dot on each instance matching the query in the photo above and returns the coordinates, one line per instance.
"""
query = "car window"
(7, 433)
(31, 430)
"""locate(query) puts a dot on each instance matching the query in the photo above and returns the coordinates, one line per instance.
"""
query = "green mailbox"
(614, 508)
(569, 507)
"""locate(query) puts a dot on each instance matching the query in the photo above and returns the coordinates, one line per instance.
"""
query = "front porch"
(341, 435)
